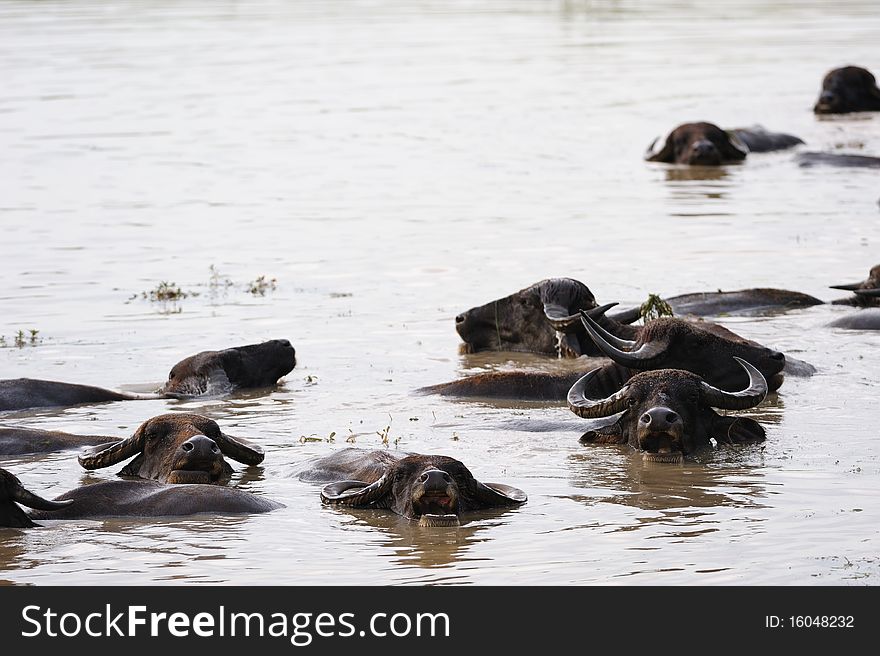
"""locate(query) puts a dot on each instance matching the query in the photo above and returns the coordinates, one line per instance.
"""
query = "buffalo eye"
(630, 402)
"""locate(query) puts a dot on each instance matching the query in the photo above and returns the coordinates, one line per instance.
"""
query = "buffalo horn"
(747, 398)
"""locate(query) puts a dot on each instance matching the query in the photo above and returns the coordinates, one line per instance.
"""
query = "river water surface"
(391, 164)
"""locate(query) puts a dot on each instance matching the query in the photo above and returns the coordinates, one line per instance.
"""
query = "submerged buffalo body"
(668, 413)
(12, 493)
(21, 393)
(741, 302)
(206, 373)
(542, 318)
(848, 89)
(841, 160)
(175, 448)
(867, 319)
(706, 144)
(153, 499)
(435, 490)
(21, 441)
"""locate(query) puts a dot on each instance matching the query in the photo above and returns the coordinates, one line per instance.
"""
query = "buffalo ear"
(611, 433)
(738, 430)
(735, 148)
(664, 154)
(110, 453)
(499, 494)
(240, 449)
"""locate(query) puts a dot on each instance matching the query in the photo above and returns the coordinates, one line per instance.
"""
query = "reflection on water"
(426, 547)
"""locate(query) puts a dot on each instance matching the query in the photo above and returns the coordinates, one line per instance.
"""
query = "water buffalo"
(542, 318)
(838, 159)
(154, 499)
(21, 441)
(702, 347)
(848, 89)
(668, 413)
(206, 373)
(706, 144)
(740, 302)
(21, 393)
(175, 448)
(220, 372)
(867, 319)
(865, 293)
(706, 349)
(435, 490)
(13, 492)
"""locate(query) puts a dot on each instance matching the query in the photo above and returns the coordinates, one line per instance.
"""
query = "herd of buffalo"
(655, 387)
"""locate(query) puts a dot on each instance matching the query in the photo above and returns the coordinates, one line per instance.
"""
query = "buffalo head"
(668, 413)
(866, 293)
(432, 489)
(704, 348)
(703, 144)
(220, 372)
(848, 89)
(542, 318)
(175, 448)
(12, 492)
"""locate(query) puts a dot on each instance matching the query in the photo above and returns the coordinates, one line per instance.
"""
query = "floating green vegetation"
(164, 292)
(654, 308)
(21, 339)
(261, 285)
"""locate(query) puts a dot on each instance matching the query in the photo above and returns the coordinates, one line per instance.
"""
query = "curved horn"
(747, 398)
(872, 293)
(660, 150)
(849, 287)
(356, 493)
(642, 358)
(104, 455)
(563, 322)
(240, 449)
(499, 494)
(588, 408)
(31, 500)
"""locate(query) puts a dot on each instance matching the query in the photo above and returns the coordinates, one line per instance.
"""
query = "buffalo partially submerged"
(12, 492)
(435, 490)
(741, 302)
(865, 293)
(867, 319)
(668, 413)
(842, 160)
(542, 318)
(848, 89)
(176, 448)
(154, 499)
(702, 347)
(706, 144)
(21, 393)
(207, 373)
(21, 441)
(220, 372)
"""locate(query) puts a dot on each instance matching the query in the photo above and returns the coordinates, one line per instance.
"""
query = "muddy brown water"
(391, 164)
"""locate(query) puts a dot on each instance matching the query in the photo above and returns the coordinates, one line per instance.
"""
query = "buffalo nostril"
(645, 418)
(187, 446)
(423, 478)
(671, 417)
(778, 356)
(459, 319)
(215, 449)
